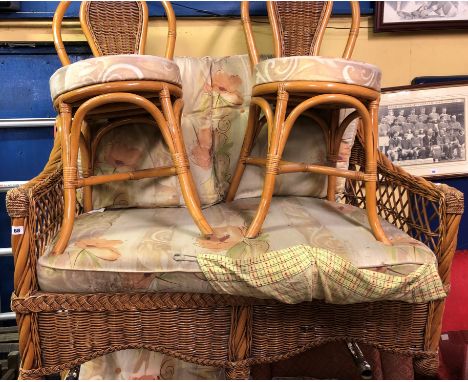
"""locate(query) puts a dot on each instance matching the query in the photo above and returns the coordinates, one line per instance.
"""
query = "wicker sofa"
(66, 321)
(61, 330)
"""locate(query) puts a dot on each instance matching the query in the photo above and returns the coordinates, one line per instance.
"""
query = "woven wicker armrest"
(431, 212)
(427, 211)
(36, 210)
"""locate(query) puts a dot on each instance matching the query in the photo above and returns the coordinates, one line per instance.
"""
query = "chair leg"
(86, 168)
(246, 149)
(333, 148)
(181, 163)
(69, 179)
(371, 172)
(275, 150)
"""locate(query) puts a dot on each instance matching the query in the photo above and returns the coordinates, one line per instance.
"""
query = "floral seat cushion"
(309, 248)
(122, 67)
(317, 68)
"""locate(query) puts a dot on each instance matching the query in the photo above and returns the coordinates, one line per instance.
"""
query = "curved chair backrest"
(298, 27)
(113, 27)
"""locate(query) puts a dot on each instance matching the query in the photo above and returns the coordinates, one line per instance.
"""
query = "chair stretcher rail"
(286, 167)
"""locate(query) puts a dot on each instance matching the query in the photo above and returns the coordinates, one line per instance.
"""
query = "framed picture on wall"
(423, 128)
(396, 16)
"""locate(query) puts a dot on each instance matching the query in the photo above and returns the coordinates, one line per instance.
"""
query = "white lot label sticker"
(17, 230)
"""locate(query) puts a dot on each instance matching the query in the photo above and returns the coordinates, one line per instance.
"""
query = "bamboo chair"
(118, 28)
(298, 29)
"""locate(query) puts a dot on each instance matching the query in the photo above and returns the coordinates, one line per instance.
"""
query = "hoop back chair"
(118, 29)
(298, 29)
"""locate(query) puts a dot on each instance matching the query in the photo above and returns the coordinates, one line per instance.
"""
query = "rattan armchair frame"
(118, 28)
(59, 331)
(298, 29)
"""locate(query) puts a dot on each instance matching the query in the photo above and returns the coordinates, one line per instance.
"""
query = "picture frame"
(399, 16)
(423, 128)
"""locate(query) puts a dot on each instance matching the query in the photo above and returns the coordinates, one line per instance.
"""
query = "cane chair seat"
(122, 67)
(157, 249)
(317, 68)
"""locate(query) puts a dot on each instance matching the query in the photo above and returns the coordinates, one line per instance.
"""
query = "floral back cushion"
(216, 104)
(306, 143)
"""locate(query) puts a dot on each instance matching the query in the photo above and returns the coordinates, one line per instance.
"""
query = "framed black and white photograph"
(423, 128)
(395, 16)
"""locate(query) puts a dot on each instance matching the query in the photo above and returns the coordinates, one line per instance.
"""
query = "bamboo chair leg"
(181, 163)
(333, 149)
(371, 170)
(275, 150)
(264, 206)
(69, 179)
(246, 149)
(331, 185)
(86, 169)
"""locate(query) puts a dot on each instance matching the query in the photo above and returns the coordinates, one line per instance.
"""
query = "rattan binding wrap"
(115, 27)
(59, 331)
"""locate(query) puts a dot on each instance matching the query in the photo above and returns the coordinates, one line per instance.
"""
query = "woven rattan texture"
(201, 335)
(415, 210)
(46, 208)
(115, 26)
(17, 203)
(279, 329)
(121, 302)
(299, 22)
(60, 331)
(200, 332)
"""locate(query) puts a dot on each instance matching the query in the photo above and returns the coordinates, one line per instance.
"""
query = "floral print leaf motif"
(231, 239)
(101, 249)
(248, 248)
(84, 255)
(226, 86)
(224, 238)
(123, 155)
(202, 152)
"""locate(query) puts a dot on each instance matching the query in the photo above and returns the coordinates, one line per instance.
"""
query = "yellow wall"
(400, 56)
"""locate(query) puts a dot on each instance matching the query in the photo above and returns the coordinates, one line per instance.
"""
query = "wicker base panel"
(223, 331)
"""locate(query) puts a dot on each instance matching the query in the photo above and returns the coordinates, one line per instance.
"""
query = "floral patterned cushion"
(161, 250)
(305, 134)
(143, 364)
(316, 68)
(216, 103)
(216, 95)
(122, 67)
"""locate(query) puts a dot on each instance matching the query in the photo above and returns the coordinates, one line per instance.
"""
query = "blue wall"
(24, 151)
(45, 9)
